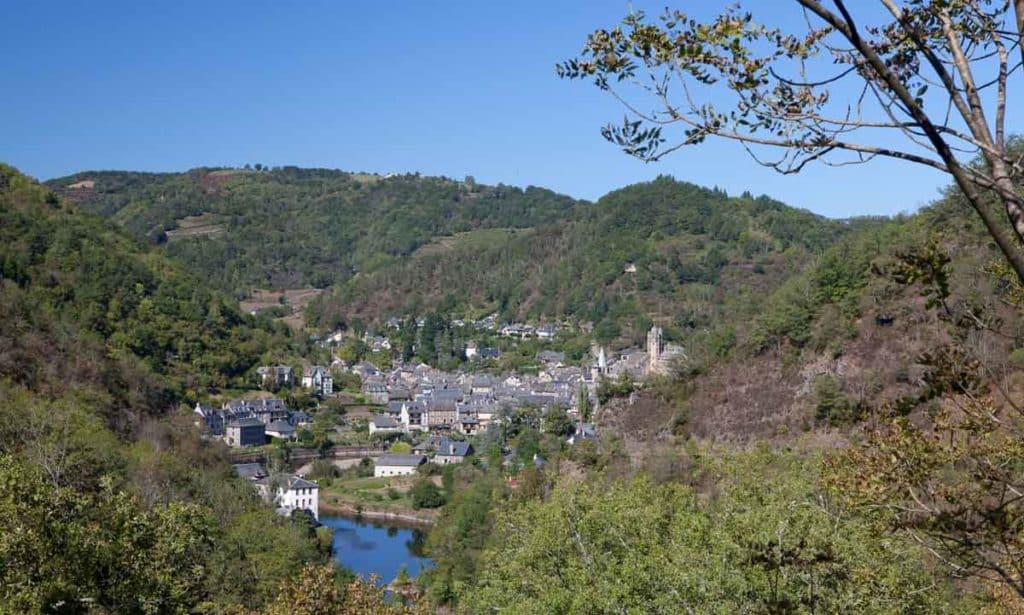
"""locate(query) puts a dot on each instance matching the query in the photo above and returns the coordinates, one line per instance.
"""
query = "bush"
(429, 469)
(365, 468)
(323, 469)
(400, 447)
(425, 494)
(833, 406)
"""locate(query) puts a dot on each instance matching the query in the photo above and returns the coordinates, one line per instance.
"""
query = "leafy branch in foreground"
(922, 81)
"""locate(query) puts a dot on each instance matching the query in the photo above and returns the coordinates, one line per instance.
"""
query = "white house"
(383, 424)
(318, 378)
(398, 465)
(293, 493)
(412, 416)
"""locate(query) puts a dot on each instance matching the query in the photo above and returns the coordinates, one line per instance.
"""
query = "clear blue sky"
(444, 88)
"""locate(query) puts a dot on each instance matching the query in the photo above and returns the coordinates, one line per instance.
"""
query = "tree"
(583, 404)
(954, 481)
(933, 75)
(555, 421)
(425, 494)
(74, 551)
(400, 447)
(315, 591)
(766, 545)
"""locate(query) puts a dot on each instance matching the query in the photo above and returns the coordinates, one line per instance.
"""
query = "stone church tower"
(655, 350)
(660, 355)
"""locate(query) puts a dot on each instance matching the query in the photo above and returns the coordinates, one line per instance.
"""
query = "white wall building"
(398, 465)
(293, 493)
(383, 424)
(318, 378)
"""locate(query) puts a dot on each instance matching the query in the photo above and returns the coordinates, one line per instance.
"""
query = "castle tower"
(655, 349)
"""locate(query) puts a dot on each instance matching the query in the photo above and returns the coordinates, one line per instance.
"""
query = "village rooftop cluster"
(438, 410)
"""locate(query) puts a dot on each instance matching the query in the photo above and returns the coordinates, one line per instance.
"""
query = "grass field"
(203, 225)
(370, 490)
(470, 239)
(295, 299)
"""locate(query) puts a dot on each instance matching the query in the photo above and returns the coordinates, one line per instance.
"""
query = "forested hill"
(291, 227)
(87, 308)
(110, 502)
(665, 251)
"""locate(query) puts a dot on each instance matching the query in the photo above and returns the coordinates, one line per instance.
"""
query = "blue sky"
(444, 88)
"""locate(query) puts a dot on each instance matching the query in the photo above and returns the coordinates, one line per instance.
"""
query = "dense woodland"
(410, 244)
(290, 227)
(109, 501)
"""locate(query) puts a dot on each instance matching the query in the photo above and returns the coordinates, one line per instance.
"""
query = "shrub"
(425, 494)
(833, 405)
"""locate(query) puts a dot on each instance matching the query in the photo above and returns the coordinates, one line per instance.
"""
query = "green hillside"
(110, 502)
(665, 251)
(291, 227)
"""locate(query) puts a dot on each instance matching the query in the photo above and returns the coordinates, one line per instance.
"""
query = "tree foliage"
(787, 96)
(765, 545)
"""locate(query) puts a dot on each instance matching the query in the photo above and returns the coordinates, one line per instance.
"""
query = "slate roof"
(311, 371)
(291, 482)
(246, 422)
(281, 427)
(250, 470)
(295, 482)
(384, 422)
(401, 460)
(453, 448)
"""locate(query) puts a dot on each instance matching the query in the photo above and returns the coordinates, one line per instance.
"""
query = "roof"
(383, 422)
(290, 482)
(398, 393)
(250, 470)
(267, 369)
(280, 426)
(401, 460)
(256, 405)
(550, 356)
(249, 422)
(295, 482)
(454, 448)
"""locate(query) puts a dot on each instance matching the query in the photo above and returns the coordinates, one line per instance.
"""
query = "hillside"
(665, 251)
(845, 340)
(111, 502)
(290, 227)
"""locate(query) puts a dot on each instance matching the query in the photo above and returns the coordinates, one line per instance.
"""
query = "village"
(412, 418)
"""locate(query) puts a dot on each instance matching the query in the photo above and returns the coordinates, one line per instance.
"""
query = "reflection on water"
(367, 548)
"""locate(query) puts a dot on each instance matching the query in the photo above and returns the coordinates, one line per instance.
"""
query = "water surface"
(368, 548)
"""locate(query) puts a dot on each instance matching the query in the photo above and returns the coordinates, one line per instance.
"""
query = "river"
(367, 548)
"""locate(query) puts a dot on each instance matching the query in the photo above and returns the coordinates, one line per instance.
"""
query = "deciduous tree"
(922, 81)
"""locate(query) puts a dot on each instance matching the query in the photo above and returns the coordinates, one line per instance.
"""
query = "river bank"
(422, 518)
